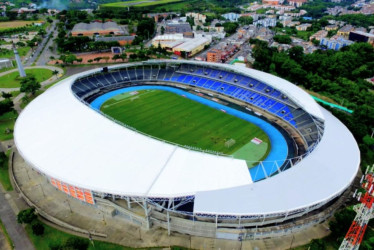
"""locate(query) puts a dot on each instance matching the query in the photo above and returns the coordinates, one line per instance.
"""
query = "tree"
(106, 58)
(29, 84)
(3, 159)
(317, 244)
(123, 57)
(6, 95)
(245, 20)
(282, 39)
(116, 57)
(162, 30)
(70, 59)
(26, 216)
(296, 53)
(342, 222)
(97, 59)
(230, 28)
(77, 243)
(6, 106)
(37, 228)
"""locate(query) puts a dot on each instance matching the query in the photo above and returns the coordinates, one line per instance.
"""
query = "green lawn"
(22, 51)
(7, 69)
(54, 237)
(174, 118)
(4, 175)
(139, 3)
(12, 80)
(7, 121)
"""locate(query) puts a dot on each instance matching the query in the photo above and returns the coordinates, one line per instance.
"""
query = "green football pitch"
(177, 119)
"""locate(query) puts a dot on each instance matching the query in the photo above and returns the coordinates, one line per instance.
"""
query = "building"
(122, 40)
(285, 20)
(172, 28)
(193, 191)
(192, 46)
(267, 22)
(331, 27)
(157, 16)
(5, 63)
(179, 44)
(271, 2)
(214, 55)
(335, 44)
(24, 10)
(297, 3)
(233, 17)
(359, 36)
(318, 35)
(197, 16)
(97, 29)
(303, 27)
(345, 30)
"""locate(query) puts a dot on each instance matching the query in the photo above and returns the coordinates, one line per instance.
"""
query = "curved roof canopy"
(63, 138)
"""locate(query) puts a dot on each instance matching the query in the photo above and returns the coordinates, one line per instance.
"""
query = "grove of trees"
(339, 75)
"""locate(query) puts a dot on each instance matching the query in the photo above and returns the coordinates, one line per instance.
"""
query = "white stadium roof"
(63, 138)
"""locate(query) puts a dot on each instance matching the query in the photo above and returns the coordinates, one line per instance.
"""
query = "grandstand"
(172, 180)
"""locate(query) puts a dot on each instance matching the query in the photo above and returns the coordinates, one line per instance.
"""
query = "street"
(44, 57)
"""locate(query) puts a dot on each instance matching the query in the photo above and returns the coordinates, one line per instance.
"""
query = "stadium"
(199, 148)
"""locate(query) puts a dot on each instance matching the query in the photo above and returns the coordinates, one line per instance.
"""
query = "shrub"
(37, 228)
(26, 216)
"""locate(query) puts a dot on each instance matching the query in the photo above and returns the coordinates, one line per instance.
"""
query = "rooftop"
(95, 26)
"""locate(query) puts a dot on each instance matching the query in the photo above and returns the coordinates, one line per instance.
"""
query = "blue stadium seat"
(208, 84)
(215, 86)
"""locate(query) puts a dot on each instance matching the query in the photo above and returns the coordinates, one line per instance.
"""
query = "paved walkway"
(16, 232)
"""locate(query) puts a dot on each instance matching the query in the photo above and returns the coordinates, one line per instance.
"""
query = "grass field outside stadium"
(175, 118)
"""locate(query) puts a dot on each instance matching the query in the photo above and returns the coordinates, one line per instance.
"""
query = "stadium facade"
(93, 158)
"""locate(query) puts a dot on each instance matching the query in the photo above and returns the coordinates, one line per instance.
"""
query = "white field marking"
(124, 99)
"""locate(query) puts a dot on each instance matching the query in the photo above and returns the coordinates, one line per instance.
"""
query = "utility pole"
(364, 211)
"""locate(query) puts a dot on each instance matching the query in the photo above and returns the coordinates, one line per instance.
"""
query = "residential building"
(303, 27)
(285, 20)
(319, 35)
(271, 2)
(233, 17)
(335, 44)
(297, 3)
(197, 16)
(331, 27)
(214, 55)
(267, 22)
(345, 30)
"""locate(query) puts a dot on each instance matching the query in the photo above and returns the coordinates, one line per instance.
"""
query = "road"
(47, 53)
(41, 46)
(16, 232)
